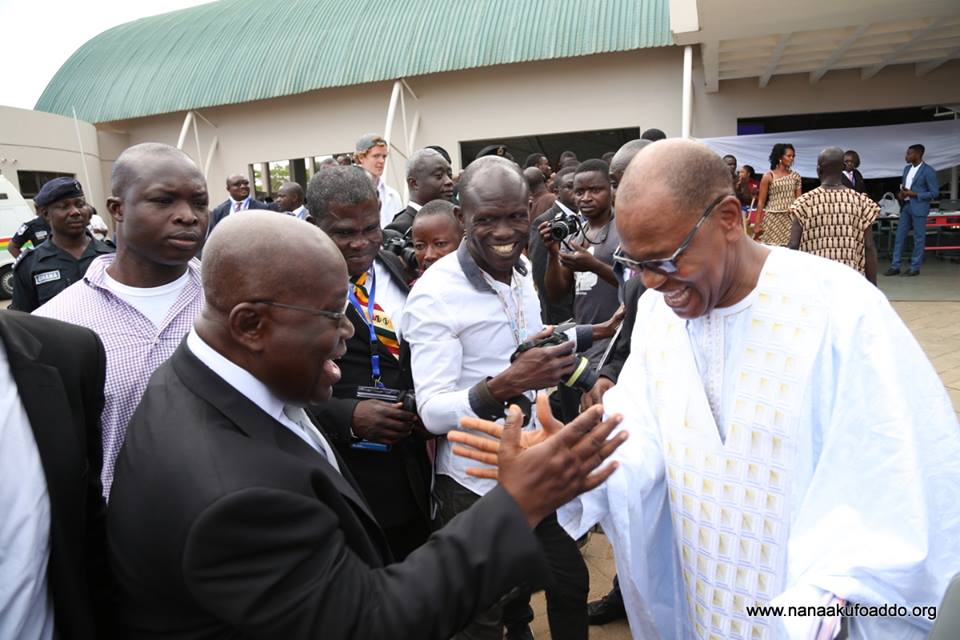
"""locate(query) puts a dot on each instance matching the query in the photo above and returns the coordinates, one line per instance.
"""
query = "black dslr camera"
(583, 377)
(401, 245)
(564, 225)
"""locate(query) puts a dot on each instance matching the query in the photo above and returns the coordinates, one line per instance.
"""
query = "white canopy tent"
(881, 148)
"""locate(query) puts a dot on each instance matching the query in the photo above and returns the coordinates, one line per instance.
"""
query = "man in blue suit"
(917, 188)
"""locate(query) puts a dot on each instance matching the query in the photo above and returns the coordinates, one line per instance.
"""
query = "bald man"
(232, 516)
(541, 198)
(141, 300)
(238, 188)
(790, 442)
(429, 178)
(834, 221)
(290, 197)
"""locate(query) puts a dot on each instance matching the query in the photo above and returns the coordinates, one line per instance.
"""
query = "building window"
(32, 181)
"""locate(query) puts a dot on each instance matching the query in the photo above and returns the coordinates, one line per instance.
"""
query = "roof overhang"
(741, 39)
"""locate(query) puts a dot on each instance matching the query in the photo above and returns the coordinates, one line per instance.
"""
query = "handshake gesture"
(543, 469)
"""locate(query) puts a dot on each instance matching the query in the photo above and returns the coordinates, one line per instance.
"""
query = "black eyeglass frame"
(333, 315)
(669, 265)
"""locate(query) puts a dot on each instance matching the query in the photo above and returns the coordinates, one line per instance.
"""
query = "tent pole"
(687, 90)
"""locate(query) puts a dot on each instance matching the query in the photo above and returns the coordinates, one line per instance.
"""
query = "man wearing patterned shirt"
(834, 221)
(142, 300)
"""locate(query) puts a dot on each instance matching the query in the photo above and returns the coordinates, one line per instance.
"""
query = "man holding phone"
(372, 418)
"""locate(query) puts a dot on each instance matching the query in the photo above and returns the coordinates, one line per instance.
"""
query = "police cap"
(57, 189)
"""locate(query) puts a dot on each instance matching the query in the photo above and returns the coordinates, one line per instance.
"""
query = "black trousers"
(566, 592)
(404, 538)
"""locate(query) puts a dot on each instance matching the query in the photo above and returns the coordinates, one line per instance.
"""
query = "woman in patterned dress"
(778, 189)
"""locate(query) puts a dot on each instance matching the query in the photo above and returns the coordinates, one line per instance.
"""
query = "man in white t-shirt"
(142, 300)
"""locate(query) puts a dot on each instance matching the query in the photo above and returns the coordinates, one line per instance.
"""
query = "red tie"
(237, 206)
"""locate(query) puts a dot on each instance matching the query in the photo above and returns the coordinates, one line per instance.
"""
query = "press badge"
(47, 276)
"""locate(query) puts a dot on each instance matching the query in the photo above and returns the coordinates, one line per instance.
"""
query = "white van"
(14, 211)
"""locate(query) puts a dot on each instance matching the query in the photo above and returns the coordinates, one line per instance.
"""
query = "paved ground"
(928, 304)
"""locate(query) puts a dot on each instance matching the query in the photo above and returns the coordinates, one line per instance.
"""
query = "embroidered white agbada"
(835, 467)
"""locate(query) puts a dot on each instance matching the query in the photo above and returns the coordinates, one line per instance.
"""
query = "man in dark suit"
(429, 177)
(53, 524)
(231, 514)
(238, 187)
(382, 442)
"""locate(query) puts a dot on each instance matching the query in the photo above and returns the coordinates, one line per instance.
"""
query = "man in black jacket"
(238, 186)
(52, 532)
(381, 440)
(429, 177)
(232, 516)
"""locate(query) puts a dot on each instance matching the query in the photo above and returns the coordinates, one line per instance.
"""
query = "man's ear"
(115, 207)
(42, 212)
(249, 326)
(730, 216)
(457, 211)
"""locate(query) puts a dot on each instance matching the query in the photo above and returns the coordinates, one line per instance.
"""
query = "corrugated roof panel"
(234, 51)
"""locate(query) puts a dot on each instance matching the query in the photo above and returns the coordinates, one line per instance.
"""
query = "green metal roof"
(234, 51)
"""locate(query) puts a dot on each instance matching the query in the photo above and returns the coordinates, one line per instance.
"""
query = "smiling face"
(355, 229)
(592, 192)
(434, 236)
(67, 218)
(650, 228)
(374, 160)
(238, 187)
(494, 213)
(299, 348)
(162, 215)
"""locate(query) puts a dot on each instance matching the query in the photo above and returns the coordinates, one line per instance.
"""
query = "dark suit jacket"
(621, 347)
(403, 220)
(857, 185)
(550, 312)
(396, 484)
(224, 524)
(59, 370)
(222, 210)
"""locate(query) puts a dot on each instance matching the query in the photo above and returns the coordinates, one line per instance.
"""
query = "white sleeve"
(436, 356)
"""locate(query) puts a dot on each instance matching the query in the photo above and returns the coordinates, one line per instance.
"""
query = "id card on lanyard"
(367, 316)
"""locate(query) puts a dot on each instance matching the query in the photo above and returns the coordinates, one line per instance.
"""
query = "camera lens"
(583, 377)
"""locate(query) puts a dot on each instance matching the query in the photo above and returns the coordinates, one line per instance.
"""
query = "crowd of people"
(348, 416)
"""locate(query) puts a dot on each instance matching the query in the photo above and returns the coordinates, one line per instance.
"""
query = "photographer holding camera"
(581, 255)
(372, 418)
(468, 322)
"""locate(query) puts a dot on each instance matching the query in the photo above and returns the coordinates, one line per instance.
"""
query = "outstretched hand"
(546, 468)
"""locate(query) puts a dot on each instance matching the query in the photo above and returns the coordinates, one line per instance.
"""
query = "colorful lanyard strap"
(368, 320)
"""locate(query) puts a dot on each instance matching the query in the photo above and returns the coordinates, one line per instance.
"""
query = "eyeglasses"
(668, 265)
(333, 315)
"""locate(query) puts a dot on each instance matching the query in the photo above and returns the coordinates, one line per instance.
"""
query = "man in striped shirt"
(142, 300)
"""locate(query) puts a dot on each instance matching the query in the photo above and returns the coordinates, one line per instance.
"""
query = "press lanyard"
(368, 319)
(517, 322)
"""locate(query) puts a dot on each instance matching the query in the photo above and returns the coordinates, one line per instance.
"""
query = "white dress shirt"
(300, 213)
(389, 295)
(26, 606)
(459, 336)
(390, 203)
(911, 174)
(257, 393)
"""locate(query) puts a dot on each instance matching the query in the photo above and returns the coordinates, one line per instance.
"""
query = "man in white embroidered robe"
(790, 442)
(790, 439)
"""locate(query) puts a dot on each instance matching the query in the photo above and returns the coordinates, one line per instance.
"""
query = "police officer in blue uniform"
(35, 232)
(41, 273)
